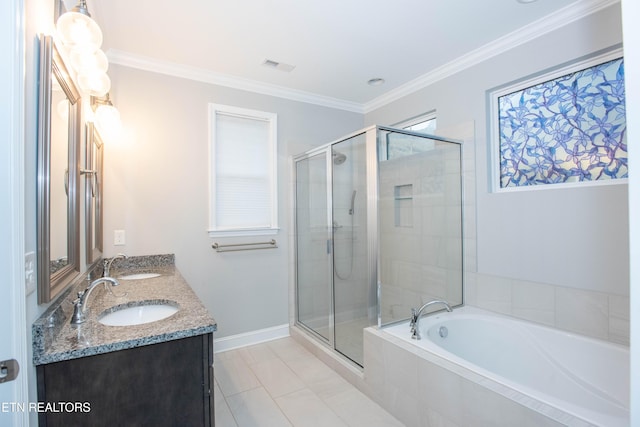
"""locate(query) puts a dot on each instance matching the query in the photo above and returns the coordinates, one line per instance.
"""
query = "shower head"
(339, 158)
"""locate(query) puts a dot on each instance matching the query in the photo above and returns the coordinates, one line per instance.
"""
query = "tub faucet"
(416, 313)
(107, 264)
(80, 304)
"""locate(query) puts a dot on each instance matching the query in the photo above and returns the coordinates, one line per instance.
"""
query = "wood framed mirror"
(93, 173)
(59, 111)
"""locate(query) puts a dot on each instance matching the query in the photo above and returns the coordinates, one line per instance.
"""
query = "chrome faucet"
(80, 304)
(416, 313)
(107, 264)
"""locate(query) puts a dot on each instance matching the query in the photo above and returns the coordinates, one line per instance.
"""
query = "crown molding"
(544, 25)
(173, 69)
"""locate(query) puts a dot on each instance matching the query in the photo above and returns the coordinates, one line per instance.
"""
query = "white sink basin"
(139, 276)
(143, 312)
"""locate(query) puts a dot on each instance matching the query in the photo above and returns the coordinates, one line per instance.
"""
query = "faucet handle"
(77, 316)
(415, 335)
(78, 300)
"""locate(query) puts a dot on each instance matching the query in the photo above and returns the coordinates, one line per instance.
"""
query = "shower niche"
(378, 230)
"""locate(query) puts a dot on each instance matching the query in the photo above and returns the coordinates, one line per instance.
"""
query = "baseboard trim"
(250, 338)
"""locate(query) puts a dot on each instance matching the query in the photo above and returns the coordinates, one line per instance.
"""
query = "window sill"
(244, 232)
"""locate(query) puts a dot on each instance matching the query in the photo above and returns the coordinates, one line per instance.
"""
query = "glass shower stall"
(378, 230)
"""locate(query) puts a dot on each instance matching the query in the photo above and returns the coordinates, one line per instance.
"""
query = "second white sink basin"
(142, 312)
(139, 276)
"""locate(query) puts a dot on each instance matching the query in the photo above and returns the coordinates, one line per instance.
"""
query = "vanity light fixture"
(82, 36)
(92, 72)
(94, 83)
(78, 30)
(107, 117)
(93, 62)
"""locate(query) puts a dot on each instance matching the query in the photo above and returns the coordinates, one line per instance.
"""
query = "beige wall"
(156, 189)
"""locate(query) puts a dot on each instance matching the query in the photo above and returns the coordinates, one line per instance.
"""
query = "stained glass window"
(569, 129)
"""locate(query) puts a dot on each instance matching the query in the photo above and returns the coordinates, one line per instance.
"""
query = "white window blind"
(243, 171)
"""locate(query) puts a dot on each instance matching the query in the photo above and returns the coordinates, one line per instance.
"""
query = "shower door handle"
(329, 246)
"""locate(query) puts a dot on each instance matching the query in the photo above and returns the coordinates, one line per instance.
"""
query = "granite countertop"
(55, 339)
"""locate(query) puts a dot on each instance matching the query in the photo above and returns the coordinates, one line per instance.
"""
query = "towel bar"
(272, 244)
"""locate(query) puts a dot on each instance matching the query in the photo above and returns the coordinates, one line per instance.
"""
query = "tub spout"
(417, 313)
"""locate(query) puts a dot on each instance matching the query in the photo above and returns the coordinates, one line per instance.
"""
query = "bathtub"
(561, 374)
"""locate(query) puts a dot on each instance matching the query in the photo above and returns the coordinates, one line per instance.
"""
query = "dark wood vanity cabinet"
(164, 384)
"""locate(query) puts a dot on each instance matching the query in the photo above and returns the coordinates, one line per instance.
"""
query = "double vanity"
(126, 342)
(142, 356)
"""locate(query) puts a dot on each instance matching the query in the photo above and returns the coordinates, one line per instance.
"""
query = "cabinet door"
(166, 384)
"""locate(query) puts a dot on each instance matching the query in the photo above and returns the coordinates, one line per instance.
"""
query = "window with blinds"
(243, 186)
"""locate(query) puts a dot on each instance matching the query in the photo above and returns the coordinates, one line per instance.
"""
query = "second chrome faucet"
(107, 264)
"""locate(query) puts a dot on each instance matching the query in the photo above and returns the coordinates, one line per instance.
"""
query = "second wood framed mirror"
(93, 194)
(59, 111)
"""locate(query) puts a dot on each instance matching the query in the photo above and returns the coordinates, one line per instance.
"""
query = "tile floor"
(348, 336)
(280, 383)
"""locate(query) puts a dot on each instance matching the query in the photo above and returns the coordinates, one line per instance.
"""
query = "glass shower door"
(313, 261)
(353, 300)
(335, 299)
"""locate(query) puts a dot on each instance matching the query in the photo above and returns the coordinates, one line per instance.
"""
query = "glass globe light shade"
(89, 62)
(79, 32)
(94, 83)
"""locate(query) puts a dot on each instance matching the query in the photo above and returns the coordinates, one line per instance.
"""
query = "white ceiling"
(336, 46)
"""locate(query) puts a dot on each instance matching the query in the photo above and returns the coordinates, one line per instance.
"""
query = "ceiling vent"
(278, 65)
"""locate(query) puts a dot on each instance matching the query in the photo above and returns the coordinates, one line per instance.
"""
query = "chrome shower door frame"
(326, 151)
(371, 229)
